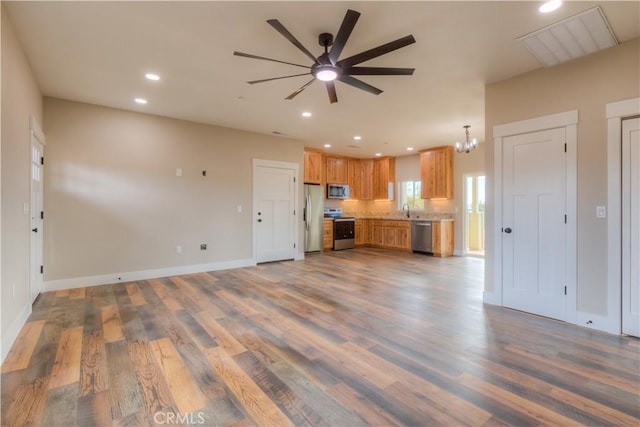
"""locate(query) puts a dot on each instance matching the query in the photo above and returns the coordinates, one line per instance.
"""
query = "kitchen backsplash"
(385, 209)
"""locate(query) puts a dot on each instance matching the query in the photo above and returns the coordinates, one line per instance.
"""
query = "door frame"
(615, 113)
(256, 163)
(569, 121)
(465, 226)
(38, 135)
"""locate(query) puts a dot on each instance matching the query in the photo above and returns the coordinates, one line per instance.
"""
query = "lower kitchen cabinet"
(327, 234)
(396, 234)
(361, 226)
(442, 238)
(391, 234)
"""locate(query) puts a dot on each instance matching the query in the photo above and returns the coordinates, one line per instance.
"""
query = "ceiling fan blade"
(348, 23)
(303, 87)
(252, 82)
(331, 89)
(359, 84)
(282, 30)
(376, 51)
(248, 55)
(378, 71)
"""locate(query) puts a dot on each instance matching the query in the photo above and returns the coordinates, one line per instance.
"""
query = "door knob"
(35, 230)
(507, 230)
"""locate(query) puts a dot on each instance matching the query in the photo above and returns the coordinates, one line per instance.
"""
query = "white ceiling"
(98, 52)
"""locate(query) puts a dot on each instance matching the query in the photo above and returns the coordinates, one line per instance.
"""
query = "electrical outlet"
(203, 246)
(601, 211)
(239, 208)
(179, 172)
(178, 249)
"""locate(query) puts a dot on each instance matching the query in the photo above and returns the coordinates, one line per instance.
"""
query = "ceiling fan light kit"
(327, 68)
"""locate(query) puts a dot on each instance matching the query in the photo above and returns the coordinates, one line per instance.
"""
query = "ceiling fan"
(328, 68)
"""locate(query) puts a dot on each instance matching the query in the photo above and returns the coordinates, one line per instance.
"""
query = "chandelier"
(468, 145)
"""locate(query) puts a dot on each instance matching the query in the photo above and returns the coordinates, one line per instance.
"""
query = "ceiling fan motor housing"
(325, 39)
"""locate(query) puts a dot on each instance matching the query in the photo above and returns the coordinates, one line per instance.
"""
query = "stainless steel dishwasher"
(421, 237)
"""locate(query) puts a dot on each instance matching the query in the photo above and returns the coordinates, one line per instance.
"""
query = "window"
(410, 194)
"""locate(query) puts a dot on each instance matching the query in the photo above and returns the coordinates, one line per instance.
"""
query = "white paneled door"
(534, 235)
(37, 216)
(631, 227)
(274, 213)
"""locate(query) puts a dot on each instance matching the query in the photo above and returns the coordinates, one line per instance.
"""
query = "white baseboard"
(105, 279)
(598, 322)
(458, 252)
(9, 337)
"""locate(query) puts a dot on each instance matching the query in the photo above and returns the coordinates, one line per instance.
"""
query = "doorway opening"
(474, 211)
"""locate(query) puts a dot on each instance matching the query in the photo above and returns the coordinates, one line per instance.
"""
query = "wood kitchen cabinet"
(366, 179)
(327, 234)
(336, 170)
(312, 167)
(361, 232)
(391, 234)
(384, 176)
(354, 178)
(436, 172)
(442, 238)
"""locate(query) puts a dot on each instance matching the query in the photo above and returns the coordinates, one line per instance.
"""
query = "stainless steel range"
(344, 232)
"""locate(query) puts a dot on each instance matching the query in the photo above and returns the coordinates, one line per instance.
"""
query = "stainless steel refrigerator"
(313, 217)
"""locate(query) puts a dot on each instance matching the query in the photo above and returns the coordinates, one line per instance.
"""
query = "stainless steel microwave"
(337, 191)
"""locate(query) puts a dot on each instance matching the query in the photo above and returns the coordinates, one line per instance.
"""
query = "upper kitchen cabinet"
(312, 167)
(354, 178)
(366, 179)
(337, 170)
(436, 172)
(384, 177)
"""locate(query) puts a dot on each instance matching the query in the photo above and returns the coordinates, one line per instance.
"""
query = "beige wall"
(21, 100)
(115, 205)
(586, 85)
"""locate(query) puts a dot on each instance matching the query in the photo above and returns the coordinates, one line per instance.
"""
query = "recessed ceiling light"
(152, 76)
(306, 114)
(550, 6)
(378, 154)
(357, 137)
(327, 145)
(409, 148)
(140, 100)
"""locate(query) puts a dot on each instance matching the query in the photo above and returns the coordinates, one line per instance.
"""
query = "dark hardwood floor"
(350, 338)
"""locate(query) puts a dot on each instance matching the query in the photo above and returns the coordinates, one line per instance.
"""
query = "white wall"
(21, 100)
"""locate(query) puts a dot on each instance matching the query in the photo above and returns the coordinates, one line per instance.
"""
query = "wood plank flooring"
(349, 338)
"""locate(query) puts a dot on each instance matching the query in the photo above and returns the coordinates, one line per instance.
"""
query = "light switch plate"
(179, 172)
(601, 211)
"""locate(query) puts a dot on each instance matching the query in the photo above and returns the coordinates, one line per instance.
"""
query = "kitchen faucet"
(408, 213)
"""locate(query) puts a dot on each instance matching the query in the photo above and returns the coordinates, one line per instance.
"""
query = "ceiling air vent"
(571, 38)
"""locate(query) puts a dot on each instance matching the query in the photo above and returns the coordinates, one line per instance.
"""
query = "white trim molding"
(9, 337)
(37, 130)
(615, 113)
(569, 121)
(106, 279)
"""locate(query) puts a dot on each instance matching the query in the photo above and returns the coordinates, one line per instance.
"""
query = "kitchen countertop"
(404, 218)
